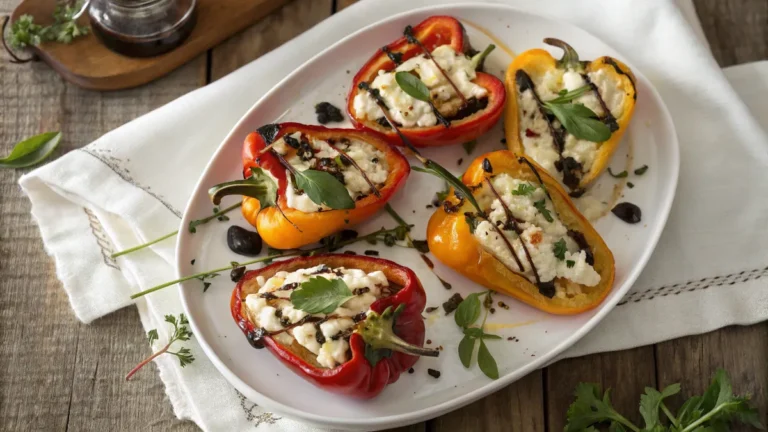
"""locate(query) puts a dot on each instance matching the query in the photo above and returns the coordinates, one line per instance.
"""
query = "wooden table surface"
(57, 374)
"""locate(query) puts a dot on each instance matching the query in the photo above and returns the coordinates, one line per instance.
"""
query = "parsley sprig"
(181, 333)
(713, 411)
(466, 314)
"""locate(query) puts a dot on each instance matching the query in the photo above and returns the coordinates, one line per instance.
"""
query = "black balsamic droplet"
(243, 242)
(237, 273)
(547, 289)
(627, 212)
(256, 337)
(327, 113)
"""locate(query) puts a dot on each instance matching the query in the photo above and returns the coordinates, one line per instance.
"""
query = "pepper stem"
(245, 187)
(570, 56)
(477, 60)
(377, 331)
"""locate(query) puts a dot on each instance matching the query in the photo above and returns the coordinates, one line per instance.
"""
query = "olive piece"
(243, 242)
(627, 212)
(237, 273)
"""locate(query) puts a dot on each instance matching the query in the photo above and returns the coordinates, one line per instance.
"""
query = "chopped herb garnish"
(469, 146)
(630, 185)
(559, 249)
(619, 175)
(641, 170)
(541, 206)
(524, 189)
(570, 263)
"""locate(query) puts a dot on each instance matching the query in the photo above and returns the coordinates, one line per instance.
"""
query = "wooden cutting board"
(87, 63)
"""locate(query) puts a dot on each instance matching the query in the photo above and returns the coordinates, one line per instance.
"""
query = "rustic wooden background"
(57, 374)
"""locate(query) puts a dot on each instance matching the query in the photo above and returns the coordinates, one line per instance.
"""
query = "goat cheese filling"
(304, 153)
(328, 336)
(534, 129)
(544, 240)
(411, 112)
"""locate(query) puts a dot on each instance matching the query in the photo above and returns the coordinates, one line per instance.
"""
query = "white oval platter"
(539, 337)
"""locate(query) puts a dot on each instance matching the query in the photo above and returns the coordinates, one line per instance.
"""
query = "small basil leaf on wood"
(486, 362)
(412, 86)
(31, 151)
(259, 185)
(323, 188)
(321, 295)
(468, 311)
(466, 348)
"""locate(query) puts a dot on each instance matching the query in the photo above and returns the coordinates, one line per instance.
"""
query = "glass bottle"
(142, 28)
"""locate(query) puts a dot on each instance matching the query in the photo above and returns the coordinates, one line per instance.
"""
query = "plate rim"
(396, 420)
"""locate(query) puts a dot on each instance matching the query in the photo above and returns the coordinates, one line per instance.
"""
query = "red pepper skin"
(272, 225)
(432, 32)
(355, 378)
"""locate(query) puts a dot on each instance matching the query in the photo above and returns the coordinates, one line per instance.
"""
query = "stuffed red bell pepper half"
(302, 183)
(349, 324)
(427, 83)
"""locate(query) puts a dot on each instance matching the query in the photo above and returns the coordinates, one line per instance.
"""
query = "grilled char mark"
(524, 82)
(608, 117)
(611, 62)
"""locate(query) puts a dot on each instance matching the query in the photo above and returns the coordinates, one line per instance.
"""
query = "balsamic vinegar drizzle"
(512, 221)
(608, 118)
(396, 57)
(609, 61)
(346, 158)
(408, 32)
(570, 168)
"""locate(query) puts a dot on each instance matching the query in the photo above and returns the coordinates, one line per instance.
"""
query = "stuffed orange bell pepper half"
(529, 241)
(302, 183)
(568, 115)
(456, 102)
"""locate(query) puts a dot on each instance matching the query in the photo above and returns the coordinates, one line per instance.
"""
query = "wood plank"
(341, 4)
(741, 351)
(56, 371)
(737, 31)
(286, 23)
(518, 407)
(626, 372)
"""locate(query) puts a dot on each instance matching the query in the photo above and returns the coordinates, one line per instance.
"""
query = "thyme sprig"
(385, 235)
(217, 214)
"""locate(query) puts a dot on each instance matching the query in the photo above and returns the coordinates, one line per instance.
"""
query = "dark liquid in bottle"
(148, 46)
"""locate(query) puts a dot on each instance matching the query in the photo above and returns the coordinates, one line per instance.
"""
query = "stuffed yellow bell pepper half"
(529, 241)
(568, 115)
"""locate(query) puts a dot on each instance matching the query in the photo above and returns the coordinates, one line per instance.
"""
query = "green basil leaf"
(486, 362)
(31, 151)
(323, 188)
(320, 295)
(468, 311)
(580, 121)
(412, 85)
(466, 348)
(565, 96)
(259, 185)
(474, 332)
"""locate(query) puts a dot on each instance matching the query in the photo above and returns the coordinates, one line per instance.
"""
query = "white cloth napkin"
(708, 271)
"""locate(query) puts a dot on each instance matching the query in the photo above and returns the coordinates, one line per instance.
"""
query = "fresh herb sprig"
(26, 33)
(192, 229)
(466, 314)
(31, 151)
(577, 119)
(385, 235)
(712, 411)
(321, 295)
(181, 333)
